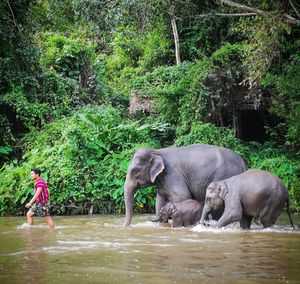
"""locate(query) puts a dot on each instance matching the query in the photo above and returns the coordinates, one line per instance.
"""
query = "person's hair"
(36, 171)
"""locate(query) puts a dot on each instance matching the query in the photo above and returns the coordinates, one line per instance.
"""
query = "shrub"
(287, 103)
(181, 98)
(228, 55)
(207, 133)
(66, 56)
(84, 159)
(27, 108)
(276, 160)
(133, 56)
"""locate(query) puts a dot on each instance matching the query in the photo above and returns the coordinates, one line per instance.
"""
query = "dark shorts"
(41, 210)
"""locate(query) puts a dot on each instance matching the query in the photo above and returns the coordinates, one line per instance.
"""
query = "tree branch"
(217, 14)
(13, 15)
(242, 7)
(287, 18)
(235, 15)
(291, 20)
(294, 8)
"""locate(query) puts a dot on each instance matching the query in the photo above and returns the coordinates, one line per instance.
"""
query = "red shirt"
(44, 196)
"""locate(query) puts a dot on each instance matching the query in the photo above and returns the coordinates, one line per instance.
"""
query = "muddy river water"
(98, 249)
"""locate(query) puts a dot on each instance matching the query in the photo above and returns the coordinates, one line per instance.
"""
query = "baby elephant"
(254, 193)
(183, 213)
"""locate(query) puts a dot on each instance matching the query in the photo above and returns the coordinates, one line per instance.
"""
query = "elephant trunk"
(154, 219)
(206, 210)
(129, 200)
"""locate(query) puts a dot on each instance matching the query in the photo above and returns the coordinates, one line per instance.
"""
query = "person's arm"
(36, 195)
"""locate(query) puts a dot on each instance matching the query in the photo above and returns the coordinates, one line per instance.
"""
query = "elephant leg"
(225, 220)
(269, 217)
(270, 213)
(267, 221)
(177, 221)
(245, 222)
(160, 202)
(230, 215)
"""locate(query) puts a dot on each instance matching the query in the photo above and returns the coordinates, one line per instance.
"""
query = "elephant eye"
(135, 170)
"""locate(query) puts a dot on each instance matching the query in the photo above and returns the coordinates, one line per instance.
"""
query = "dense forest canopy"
(85, 83)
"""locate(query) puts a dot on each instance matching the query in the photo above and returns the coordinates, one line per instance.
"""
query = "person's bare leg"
(50, 222)
(30, 215)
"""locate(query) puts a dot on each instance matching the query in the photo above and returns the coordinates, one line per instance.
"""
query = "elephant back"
(198, 165)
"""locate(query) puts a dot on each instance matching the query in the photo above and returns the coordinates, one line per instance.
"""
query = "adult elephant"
(179, 173)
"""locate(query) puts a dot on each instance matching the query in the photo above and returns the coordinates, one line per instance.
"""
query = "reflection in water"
(99, 250)
(34, 264)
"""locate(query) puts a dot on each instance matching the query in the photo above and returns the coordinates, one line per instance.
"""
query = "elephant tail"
(288, 211)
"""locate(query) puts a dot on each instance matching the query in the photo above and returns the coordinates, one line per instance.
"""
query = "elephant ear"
(157, 166)
(223, 190)
(171, 209)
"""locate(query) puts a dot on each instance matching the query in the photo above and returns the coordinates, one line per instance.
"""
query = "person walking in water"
(41, 207)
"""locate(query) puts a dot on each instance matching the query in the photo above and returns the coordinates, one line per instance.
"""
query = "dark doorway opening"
(252, 124)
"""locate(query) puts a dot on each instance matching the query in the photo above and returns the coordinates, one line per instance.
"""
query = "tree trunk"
(236, 123)
(91, 210)
(176, 40)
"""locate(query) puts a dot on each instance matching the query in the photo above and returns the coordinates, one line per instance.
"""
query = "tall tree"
(175, 35)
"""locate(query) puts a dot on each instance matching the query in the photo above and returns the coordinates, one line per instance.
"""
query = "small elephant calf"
(183, 213)
(254, 193)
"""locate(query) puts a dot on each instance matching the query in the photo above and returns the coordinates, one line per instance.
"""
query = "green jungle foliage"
(84, 158)
(68, 70)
